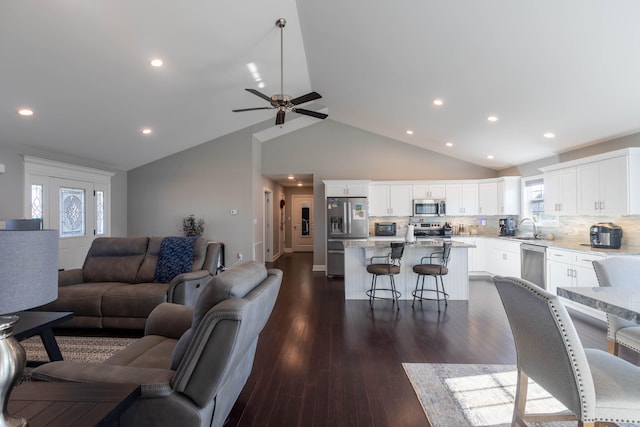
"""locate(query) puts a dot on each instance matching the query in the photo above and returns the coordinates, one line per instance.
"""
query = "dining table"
(620, 301)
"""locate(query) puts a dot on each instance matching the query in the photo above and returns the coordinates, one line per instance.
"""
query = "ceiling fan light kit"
(281, 101)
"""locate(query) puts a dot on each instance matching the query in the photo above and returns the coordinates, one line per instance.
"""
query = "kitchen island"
(357, 254)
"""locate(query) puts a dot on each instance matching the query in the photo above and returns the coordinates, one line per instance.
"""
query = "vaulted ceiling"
(569, 68)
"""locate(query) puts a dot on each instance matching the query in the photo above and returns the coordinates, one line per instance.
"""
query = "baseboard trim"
(318, 267)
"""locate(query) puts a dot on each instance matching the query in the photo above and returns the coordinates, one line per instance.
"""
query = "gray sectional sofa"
(115, 287)
(192, 362)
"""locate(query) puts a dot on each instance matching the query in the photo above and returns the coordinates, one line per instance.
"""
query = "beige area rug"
(457, 395)
(77, 349)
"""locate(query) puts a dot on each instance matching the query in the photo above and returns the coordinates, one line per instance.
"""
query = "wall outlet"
(240, 257)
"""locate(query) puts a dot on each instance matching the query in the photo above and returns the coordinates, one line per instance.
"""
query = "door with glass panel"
(73, 213)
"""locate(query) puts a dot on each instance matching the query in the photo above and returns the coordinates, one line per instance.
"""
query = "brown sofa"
(115, 287)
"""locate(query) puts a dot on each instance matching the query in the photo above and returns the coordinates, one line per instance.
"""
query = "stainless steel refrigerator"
(347, 219)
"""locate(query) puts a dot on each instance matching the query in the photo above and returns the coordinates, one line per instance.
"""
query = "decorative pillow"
(175, 257)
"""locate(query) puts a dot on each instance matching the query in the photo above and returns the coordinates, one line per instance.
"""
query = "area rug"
(77, 349)
(458, 395)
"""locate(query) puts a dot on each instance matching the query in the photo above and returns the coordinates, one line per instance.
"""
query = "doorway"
(268, 225)
(302, 223)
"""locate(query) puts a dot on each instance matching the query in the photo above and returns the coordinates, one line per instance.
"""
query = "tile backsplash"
(573, 229)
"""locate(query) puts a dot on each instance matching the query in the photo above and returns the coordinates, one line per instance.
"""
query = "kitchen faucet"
(535, 229)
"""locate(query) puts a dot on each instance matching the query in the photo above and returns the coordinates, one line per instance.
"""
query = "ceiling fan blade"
(311, 96)
(280, 117)
(310, 113)
(252, 109)
(260, 94)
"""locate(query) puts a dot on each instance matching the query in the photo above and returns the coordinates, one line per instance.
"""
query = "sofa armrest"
(186, 288)
(154, 382)
(70, 277)
(169, 320)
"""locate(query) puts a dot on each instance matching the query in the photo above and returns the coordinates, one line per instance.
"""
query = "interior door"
(72, 213)
(302, 215)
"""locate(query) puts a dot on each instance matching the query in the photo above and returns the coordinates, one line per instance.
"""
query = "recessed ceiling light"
(156, 62)
(409, 132)
(290, 177)
(25, 111)
(299, 184)
(252, 67)
(449, 144)
(492, 118)
(438, 102)
(146, 131)
(490, 157)
(549, 135)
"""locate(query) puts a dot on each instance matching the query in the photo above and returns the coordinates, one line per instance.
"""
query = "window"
(37, 192)
(533, 199)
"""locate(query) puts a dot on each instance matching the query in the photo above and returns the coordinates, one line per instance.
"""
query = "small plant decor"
(192, 227)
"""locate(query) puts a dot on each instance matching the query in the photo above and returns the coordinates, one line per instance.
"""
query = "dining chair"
(597, 387)
(621, 271)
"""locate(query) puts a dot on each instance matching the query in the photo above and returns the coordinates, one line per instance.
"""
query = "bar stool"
(389, 267)
(435, 270)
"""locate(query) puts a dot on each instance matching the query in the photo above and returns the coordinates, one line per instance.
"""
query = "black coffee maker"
(507, 226)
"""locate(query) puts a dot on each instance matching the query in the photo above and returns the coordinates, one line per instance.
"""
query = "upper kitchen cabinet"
(350, 188)
(462, 199)
(500, 196)
(605, 184)
(390, 199)
(560, 196)
(429, 191)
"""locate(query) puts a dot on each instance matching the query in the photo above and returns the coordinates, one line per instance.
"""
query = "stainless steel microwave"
(423, 207)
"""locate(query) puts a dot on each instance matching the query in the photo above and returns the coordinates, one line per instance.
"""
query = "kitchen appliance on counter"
(605, 235)
(507, 227)
(347, 219)
(423, 207)
(385, 229)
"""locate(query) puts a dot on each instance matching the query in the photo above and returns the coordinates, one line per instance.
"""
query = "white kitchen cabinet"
(509, 195)
(476, 256)
(603, 187)
(503, 257)
(429, 191)
(346, 188)
(390, 199)
(488, 198)
(462, 199)
(560, 192)
(567, 268)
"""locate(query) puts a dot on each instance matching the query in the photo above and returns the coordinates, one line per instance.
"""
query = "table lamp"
(28, 279)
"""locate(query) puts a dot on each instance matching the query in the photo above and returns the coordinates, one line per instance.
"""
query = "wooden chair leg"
(520, 403)
(613, 347)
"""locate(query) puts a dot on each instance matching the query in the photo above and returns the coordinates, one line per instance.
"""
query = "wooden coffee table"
(32, 323)
(58, 404)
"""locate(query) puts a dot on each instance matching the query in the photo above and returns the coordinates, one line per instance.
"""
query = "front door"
(72, 212)
(302, 222)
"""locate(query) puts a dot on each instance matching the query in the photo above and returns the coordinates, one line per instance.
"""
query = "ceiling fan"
(281, 101)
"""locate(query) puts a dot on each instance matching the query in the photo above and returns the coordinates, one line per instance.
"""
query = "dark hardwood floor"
(324, 361)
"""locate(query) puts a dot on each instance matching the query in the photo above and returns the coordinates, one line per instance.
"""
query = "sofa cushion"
(150, 351)
(114, 259)
(137, 300)
(148, 267)
(84, 299)
(176, 257)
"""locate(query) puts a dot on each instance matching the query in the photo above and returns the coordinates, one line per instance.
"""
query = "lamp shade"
(28, 269)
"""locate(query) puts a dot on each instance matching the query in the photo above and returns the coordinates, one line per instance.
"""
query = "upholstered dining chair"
(386, 265)
(597, 387)
(434, 265)
(622, 271)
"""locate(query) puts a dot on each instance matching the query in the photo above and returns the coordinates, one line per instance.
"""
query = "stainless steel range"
(431, 229)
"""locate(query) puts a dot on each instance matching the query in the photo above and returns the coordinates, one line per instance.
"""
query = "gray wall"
(532, 168)
(12, 184)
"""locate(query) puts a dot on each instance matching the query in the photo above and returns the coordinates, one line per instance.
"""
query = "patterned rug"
(475, 395)
(77, 349)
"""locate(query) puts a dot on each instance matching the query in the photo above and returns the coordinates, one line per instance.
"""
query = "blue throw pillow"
(175, 257)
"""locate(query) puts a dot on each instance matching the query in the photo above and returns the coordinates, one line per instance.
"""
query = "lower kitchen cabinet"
(476, 256)
(503, 257)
